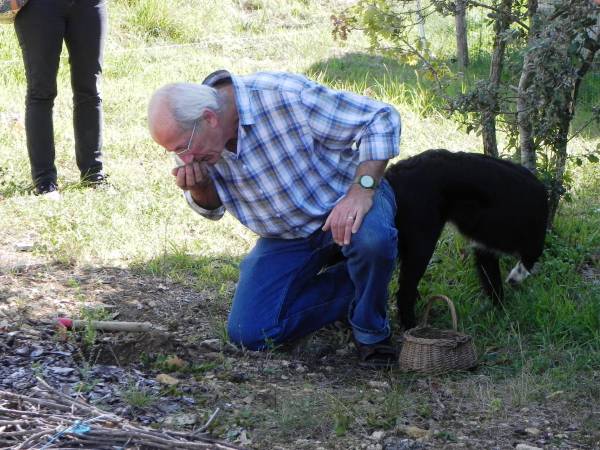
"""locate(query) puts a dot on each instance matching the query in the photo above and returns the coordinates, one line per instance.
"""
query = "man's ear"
(210, 117)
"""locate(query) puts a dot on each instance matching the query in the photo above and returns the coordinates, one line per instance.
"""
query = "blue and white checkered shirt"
(299, 144)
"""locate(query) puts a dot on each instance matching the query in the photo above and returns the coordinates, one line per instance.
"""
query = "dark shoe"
(381, 355)
(94, 179)
(48, 189)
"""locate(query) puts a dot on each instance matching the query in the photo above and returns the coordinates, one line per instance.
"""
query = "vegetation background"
(546, 339)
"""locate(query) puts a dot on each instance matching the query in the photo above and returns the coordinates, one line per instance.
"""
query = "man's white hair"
(187, 101)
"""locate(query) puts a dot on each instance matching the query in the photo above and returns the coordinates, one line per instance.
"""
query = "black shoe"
(94, 179)
(47, 187)
(381, 355)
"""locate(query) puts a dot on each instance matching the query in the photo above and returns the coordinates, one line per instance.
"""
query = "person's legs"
(283, 293)
(371, 257)
(40, 28)
(85, 36)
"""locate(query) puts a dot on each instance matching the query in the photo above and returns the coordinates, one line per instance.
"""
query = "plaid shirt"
(299, 144)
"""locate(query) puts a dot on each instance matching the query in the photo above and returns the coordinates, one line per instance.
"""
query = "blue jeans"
(285, 290)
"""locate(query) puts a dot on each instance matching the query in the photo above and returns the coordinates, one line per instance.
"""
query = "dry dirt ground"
(309, 397)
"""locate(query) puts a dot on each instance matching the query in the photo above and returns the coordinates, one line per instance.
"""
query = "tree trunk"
(488, 119)
(526, 141)
(591, 47)
(462, 47)
(421, 25)
(557, 187)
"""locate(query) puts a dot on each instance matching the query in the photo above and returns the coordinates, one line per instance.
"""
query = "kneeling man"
(302, 166)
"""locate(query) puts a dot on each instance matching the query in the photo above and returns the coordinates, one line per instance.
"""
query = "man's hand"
(192, 176)
(347, 216)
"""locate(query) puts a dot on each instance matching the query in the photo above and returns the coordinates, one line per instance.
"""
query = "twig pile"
(50, 419)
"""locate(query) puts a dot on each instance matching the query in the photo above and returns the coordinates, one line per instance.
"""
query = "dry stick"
(82, 405)
(34, 400)
(108, 325)
(140, 433)
(148, 443)
(24, 413)
(204, 427)
(13, 422)
(128, 432)
(16, 433)
(34, 437)
(140, 440)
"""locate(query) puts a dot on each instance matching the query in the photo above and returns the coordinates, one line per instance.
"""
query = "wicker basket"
(429, 350)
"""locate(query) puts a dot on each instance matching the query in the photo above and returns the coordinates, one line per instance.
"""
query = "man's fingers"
(198, 173)
(348, 228)
(190, 178)
(191, 175)
(327, 224)
(180, 177)
(357, 222)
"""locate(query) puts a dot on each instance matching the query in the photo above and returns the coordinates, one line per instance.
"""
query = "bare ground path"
(313, 396)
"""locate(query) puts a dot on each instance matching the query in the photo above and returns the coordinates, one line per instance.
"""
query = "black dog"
(501, 206)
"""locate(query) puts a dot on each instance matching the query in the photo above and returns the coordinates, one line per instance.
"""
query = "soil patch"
(311, 395)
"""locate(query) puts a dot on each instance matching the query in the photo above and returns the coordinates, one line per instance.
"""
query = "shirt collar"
(242, 99)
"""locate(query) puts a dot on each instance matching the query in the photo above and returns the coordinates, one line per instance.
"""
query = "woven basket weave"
(429, 350)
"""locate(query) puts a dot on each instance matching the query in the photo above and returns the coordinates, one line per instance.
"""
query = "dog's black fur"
(498, 204)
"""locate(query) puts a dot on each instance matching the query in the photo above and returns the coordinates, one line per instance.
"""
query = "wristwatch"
(366, 182)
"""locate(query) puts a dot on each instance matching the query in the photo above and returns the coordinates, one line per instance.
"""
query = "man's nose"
(187, 159)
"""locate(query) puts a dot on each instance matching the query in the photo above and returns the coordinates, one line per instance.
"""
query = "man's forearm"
(206, 197)
(376, 169)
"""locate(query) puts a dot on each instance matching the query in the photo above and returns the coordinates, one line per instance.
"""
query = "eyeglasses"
(189, 146)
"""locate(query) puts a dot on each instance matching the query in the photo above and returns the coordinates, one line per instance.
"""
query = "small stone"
(24, 246)
(533, 431)
(37, 352)
(22, 351)
(61, 370)
(527, 447)
(214, 345)
(163, 378)
(378, 435)
(175, 361)
(379, 384)
(179, 420)
(244, 439)
(554, 394)
(414, 432)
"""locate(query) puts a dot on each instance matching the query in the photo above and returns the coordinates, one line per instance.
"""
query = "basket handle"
(450, 305)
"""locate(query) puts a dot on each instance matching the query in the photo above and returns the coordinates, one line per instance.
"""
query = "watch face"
(367, 181)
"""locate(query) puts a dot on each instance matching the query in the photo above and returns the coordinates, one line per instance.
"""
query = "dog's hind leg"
(488, 269)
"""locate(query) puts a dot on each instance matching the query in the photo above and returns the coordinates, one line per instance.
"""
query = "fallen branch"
(107, 325)
(49, 418)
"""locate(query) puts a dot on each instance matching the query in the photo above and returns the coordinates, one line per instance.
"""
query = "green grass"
(546, 336)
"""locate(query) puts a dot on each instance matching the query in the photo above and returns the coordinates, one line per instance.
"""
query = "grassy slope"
(549, 329)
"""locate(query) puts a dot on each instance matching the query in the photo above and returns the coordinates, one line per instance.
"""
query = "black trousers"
(41, 27)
